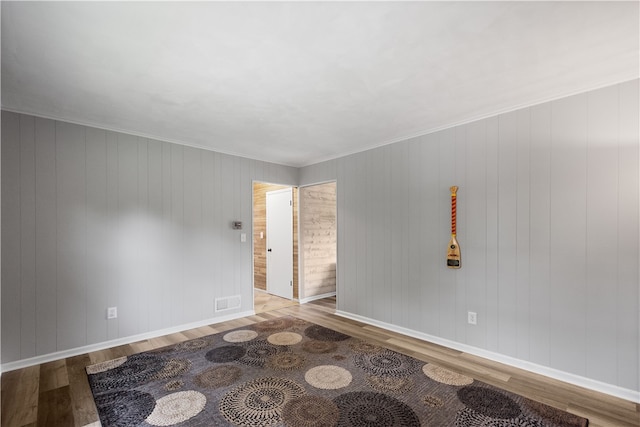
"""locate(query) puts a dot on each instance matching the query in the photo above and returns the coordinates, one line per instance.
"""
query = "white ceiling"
(300, 82)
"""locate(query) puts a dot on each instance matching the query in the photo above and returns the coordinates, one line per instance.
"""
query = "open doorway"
(263, 299)
(318, 241)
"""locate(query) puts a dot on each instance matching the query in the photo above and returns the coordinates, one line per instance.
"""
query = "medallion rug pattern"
(289, 372)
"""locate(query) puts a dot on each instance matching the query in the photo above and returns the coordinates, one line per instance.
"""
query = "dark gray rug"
(288, 372)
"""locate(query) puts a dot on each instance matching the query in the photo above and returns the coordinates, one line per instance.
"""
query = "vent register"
(227, 303)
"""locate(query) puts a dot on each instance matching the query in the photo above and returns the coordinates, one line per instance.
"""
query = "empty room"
(317, 214)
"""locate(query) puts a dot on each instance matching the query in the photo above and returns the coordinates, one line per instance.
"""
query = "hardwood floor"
(57, 393)
(263, 301)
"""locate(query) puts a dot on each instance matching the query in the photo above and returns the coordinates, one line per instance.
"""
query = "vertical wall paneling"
(156, 238)
(340, 201)
(460, 169)
(145, 250)
(227, 257)
(523, 227)
(248, 172)
(384, 200)
(343, 280)
(96, 219)
(431, 246)
(234, 186)
(194, 257)
(0, 246)
(71, 227)
(218, 227)
(395, 226)
(347, 292)
(97, 275)
(371, 228)
(11, 280)
(548, 226)
(539, 256)
(475, 231)
(601, 242)
(377, 189)
(390, 281)
(177, 236)
(628, 289)
(415, 239)
(447, 282)
(166, 265)
(46, 236)
(27, 237)
(568, 233)
(359, 223)
(338, 175)
(492, 313)
(404, 254)
(129, 236)
(548, 221)
(507, 234)
(208, 257)
(111, 262)
(244, 174)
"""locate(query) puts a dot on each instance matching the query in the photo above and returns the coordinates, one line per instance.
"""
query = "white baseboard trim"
(316, 297)
(37, 360)
(610, 389)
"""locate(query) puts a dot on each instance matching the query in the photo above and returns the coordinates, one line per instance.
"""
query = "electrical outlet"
(472, 318)
(112, 312)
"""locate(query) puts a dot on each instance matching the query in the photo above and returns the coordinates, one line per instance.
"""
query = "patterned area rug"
(288, 372)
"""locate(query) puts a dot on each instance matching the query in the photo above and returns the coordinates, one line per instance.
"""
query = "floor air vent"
(227, 303)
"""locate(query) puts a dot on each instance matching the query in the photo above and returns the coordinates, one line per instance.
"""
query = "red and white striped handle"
(454, 190)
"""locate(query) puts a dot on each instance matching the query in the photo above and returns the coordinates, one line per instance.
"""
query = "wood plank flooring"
(263, 301)
(57, 393)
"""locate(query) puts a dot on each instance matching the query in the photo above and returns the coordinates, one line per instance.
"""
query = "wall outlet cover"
(472, 318)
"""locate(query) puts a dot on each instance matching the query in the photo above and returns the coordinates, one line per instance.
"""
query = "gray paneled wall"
(93, 219)
(547, 223)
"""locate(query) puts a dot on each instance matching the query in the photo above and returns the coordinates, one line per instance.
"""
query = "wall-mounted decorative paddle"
(453, 251)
